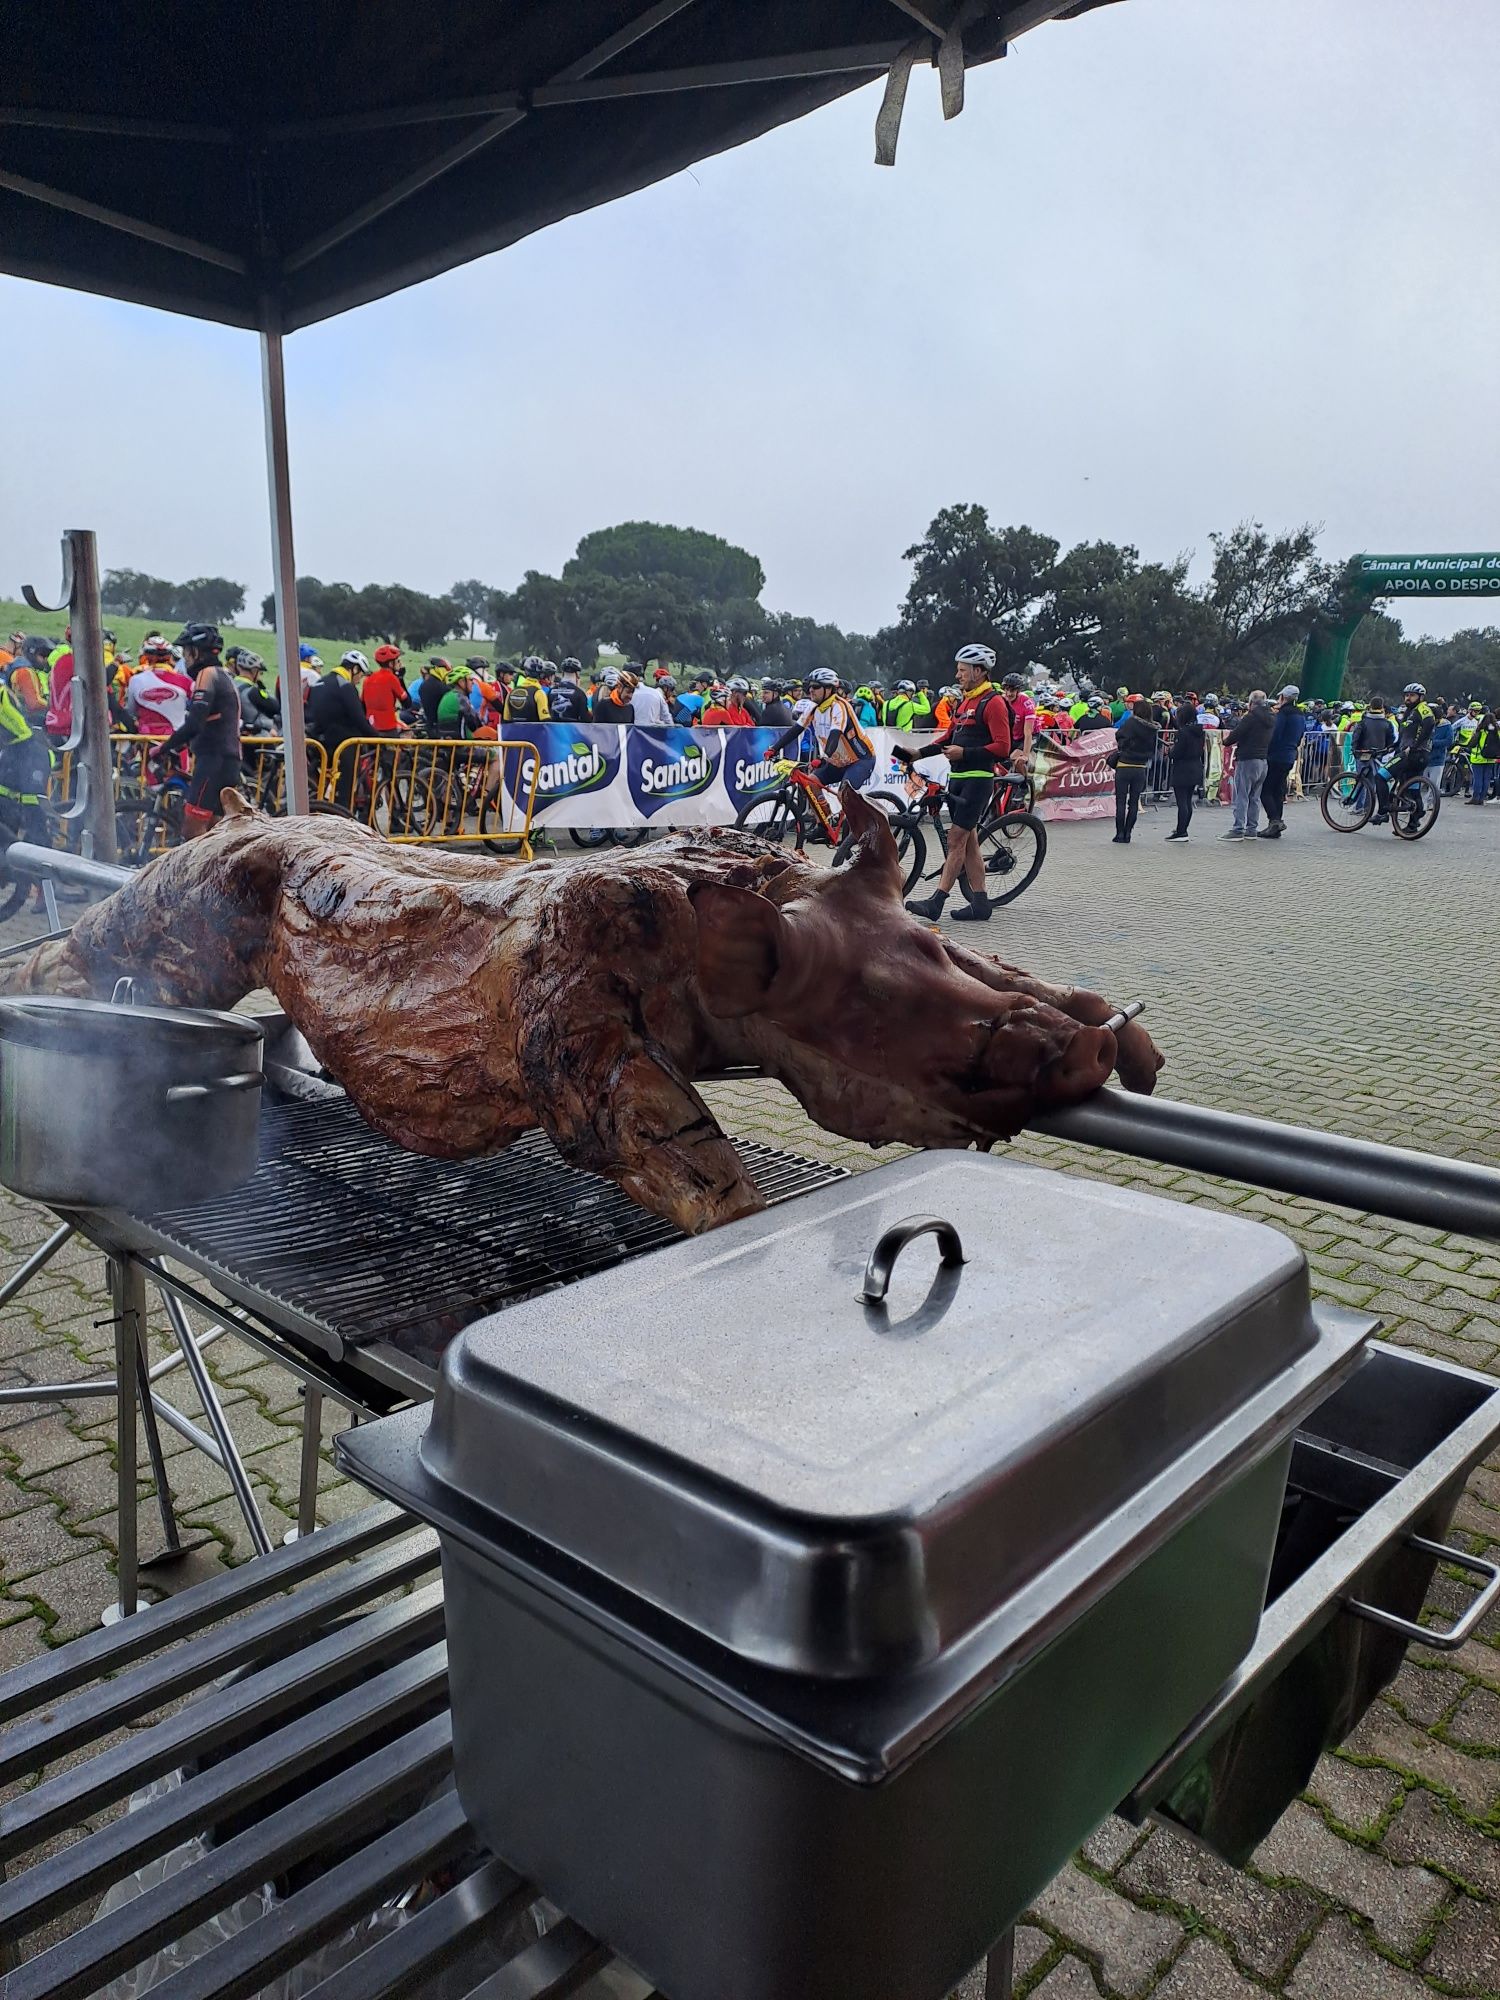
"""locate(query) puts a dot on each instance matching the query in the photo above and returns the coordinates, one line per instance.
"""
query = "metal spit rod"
(44, 864)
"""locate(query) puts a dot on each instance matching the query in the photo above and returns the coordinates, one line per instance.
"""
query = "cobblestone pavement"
(1336, 980)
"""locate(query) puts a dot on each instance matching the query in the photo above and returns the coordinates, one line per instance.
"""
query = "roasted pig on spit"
(462, 1002)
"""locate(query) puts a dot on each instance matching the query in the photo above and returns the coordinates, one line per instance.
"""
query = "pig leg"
(1136, 1056)
(614, 1103)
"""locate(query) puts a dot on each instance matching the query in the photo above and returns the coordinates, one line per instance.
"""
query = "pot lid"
(98, 1027)
(730, 1431)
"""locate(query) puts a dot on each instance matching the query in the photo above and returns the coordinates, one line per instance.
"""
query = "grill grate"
(370, 1242)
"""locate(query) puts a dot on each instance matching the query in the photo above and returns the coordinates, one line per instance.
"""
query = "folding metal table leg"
(127, 1292)
(22, 1277)
(158, 1463)
(218, 1423)
(1000, 1969)
(307, 1479)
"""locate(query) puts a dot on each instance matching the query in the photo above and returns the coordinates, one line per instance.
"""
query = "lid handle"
(894, 1240)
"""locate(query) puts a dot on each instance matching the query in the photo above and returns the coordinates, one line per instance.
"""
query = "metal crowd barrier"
(264, 768)
(425, 790)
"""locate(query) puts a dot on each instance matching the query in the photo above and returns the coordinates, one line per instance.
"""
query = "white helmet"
(354, 658)
(975, 656)
(739, 685)
(906, 687)
(822, 677)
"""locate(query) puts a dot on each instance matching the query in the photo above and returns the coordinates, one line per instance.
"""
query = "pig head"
(881, 1028)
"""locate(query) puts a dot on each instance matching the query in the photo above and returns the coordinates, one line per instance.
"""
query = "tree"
(213, 599)
(130, 593)
(554, 617)
(1264, 593)
(1464, 668)
(1378, 655)
(472, 598)
(648, 617)
(705, 566)
(971, 583)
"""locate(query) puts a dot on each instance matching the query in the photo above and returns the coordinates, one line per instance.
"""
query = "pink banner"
(1073, 780)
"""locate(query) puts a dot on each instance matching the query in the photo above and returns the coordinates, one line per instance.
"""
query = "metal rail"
(1451, 1195)
(51, 864)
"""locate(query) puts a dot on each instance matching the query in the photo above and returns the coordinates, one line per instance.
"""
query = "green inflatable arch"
(1371, 577)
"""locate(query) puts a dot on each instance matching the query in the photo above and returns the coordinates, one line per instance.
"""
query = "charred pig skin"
(462, 1002)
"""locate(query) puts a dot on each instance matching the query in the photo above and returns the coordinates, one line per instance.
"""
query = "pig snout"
(1083, 1067)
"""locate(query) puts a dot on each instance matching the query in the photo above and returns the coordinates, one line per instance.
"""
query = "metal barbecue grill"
(386, 1247)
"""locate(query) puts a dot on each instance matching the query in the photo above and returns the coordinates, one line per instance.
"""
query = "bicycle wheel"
(1453, 778)
(492, 817)
(906, 830)
(146, 827)
(1414, 809)
(589, 836)
(1014, 847)
(1347, 801)
(776, 818)
(629, 836)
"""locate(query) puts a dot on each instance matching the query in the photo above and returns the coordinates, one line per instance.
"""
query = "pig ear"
(873, 860)
(740, 941)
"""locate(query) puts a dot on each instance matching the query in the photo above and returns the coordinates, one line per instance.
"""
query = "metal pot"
(113, 1107)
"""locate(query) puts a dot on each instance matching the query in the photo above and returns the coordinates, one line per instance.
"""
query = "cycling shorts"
(212, 774)
(968, 799)
(858, 773)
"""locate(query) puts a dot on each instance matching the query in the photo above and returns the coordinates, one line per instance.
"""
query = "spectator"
(648, 705)
(1484, 754)
(1135, 746)
(1442, 742)
(1249, 738)
(1288, 727)
(776, 710)
(1188, 740)
(730, 711)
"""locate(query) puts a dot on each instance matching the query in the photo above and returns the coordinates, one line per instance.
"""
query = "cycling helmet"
(531, 663)
(355, 659)
(611, 677)
(739, 685)
(571, 666)
(703, 680)
(976, 656)
(547, 671)
(313, 660)
(251, 663)
(387, 656)
(665, 684)
(1012, 681)
(906, 687)
(202, 638)
(232, 653)
(478, 662)
(306, 653)
(822, 677)
(1413, 688)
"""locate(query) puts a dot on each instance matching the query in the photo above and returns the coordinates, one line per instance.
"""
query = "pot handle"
(184, 1093)
(1454, 1637)
(894, 1240)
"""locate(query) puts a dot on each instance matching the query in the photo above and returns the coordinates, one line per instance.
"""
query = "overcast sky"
(1178, 263)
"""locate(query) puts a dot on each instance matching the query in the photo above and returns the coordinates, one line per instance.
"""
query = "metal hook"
(67, 584)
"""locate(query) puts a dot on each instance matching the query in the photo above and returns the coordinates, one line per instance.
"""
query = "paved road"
(1341, 981)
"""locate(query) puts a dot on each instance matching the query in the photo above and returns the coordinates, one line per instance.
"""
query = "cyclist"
(157, 697)
(776, 710)
(976, 746)
(528, 699)
(1484, 754)
(1372, 738)
(30, 679)
(566, 699)
(310, 667)
(384, 693)
(1022, 711)
(260, 712)
(732, 711)
(211, 726)
(1441, 745)
(842, 752)
(335, 716)
(25, 767)
(613, 696)
(901, 709)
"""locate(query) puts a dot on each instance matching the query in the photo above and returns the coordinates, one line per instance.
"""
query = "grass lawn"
(16, 617)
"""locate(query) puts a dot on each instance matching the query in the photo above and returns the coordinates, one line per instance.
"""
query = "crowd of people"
(194, 694)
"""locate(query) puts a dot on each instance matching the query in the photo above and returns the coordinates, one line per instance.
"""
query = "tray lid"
(728, 1430)
(99, 1027)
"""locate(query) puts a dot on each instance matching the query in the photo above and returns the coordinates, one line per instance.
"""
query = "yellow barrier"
(264, 768)
(415, 789)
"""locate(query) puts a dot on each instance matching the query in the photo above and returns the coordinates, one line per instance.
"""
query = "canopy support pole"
(283, 568)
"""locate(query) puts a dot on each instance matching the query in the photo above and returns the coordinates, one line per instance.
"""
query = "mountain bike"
(1350, 800)
(803, 809)
(149, 808)
(1455, 774)
(1012, 838)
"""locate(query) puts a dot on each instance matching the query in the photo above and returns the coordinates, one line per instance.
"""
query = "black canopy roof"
(272, 163)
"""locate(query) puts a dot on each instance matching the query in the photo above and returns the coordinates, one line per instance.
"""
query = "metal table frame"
(327, 1728)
